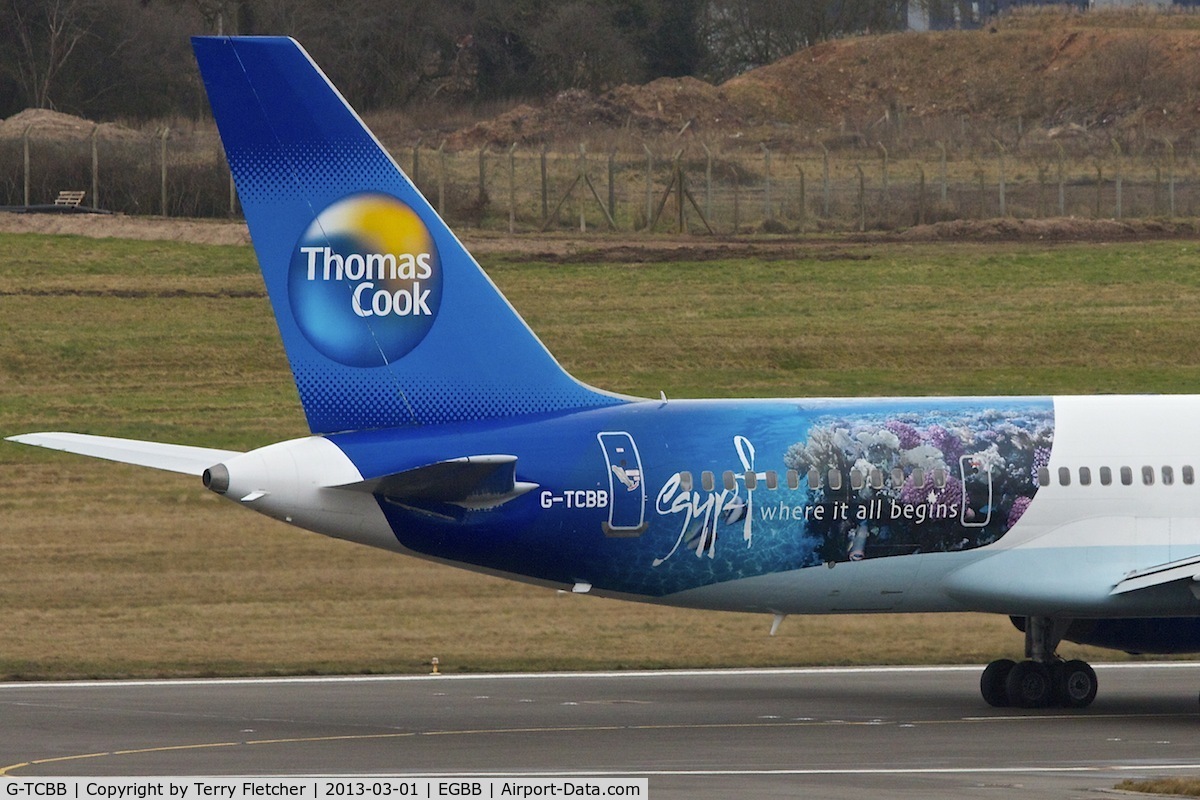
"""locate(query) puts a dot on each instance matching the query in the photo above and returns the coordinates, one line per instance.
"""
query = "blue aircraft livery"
(328, 209)
(728, 490)
(442, 428)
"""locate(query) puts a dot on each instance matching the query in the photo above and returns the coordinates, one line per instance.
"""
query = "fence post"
(707, 181)
(862, 199)
(95, 168)
(1157, 188)
(942, 174)
(582, 173)
(1171, 178)
(1062, 191)
(825, 188)
(1000, 159)
(1041, 206)
(982, 192)
(767, 170)
(512, 188)
(25, 148)
(163, 157)
(612, 185)
(441, 151)
(1099, 187)
(649, 186)
(885, 194)
(1117, 175)
(803, 200)
(545, 185)
(483, 195)
(681, 223)
(920, 195)
(737, 201)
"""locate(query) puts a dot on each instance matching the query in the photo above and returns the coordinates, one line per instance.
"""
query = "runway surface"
(835, 733)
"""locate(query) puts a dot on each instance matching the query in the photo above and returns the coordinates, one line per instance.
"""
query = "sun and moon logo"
(365, 280)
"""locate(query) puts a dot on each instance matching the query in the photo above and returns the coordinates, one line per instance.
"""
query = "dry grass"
(1185, 787)
(108, 570)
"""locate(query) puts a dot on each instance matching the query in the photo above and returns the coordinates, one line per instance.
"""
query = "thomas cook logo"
(365, 281)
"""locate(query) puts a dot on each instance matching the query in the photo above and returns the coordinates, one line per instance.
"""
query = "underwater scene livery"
(920, 483)
(856, 481)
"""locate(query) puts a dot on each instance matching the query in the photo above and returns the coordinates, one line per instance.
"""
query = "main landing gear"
(1043, 680)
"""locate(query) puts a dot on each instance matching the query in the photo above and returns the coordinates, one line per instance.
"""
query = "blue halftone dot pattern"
(268, 176)
(380, 400)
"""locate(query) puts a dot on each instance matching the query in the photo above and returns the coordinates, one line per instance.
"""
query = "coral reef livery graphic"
(977, 473)
(871, 480)
(365, 280)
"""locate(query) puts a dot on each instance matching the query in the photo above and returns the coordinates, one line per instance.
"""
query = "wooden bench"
(69, 198)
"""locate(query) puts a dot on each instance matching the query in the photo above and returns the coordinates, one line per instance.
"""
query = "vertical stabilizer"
(386, 318)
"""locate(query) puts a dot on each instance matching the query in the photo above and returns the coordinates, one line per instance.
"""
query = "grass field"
(108, 570)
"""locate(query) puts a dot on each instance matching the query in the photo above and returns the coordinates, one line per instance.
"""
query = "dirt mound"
(1092, 72)
(46, 124)
(662, 106)
(1065, 229)
(1090, 77)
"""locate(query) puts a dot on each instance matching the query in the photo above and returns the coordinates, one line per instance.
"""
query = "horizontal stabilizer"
(1185, 569)
(171, 457)
(475, 482)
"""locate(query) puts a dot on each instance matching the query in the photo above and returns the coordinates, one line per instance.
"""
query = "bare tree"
(579, 47)
(45, 33)
(743, 34)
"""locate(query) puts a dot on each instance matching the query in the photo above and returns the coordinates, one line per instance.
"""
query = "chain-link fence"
(691, 188)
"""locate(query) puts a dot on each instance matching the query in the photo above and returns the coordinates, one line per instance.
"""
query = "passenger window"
(856, 480)
(1126, 476)
(1043, 476)
(772, 480)
(814, 479)
(939, 478)
(1168, 476)
(1085, 476)
(793, 479)
(707, 482)
(1064, 476)
(751, 480)
(685, 481)
(728, 480)
(1189, 475)
(1148, 476)
(918, 477)
(876, 478)
(897, 477)
(835, 479)
(1105, 476)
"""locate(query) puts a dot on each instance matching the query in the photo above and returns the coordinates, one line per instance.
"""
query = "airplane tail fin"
(386, 318)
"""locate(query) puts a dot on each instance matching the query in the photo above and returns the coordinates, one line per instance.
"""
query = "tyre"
(1074, 684)
(1029, 685)
(992, 684)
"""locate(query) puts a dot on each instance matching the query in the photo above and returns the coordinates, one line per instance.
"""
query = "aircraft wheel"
(1074, 684)
(1029, 685)
(992, 682)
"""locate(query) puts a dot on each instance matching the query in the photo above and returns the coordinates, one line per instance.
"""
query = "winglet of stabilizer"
(170, 457)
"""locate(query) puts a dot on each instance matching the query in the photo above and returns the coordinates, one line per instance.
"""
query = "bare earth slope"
(1051, 69)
